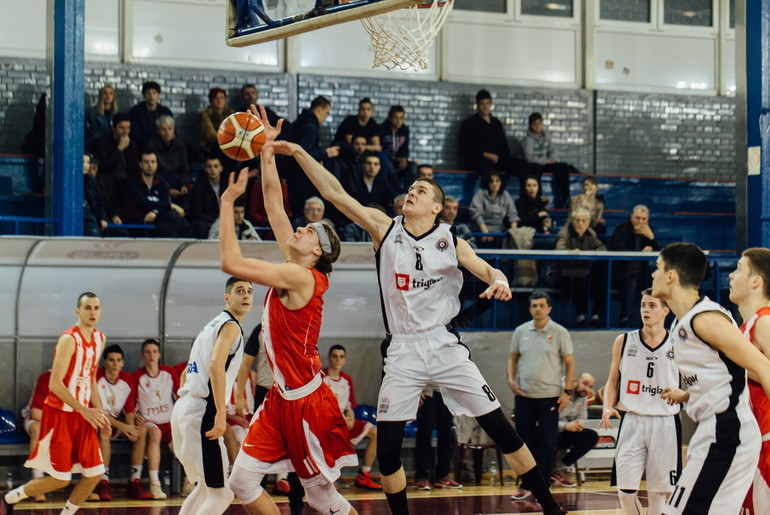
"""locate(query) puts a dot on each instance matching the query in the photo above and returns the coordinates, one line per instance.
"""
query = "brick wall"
(625, 133)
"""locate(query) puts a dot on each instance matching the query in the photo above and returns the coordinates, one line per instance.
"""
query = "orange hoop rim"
(428, 5)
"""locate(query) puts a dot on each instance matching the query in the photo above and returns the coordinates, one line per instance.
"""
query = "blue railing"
(36, 225)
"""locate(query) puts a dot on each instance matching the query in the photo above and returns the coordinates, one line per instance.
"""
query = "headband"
(323, 237)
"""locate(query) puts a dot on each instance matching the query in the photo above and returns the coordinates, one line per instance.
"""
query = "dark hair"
(591, 179)
(439, 191)
(688, 260)
(759, 264)
(483, 94)
(150, 84)
(365, 100)
(247, 86)
(486, 180)
(535, 117)
(240, 202)
(648, 291)
(120, 117)
(86, 295)
(213, 92)
(325, 263)
(535, 178)
(368, 154)
(395, 109)
(320, 101)
(150, 341)
(336, 347)
(423, 166)
(540, 294)
(212, 157)
(147, 152)
(232, 280)
(113, 349)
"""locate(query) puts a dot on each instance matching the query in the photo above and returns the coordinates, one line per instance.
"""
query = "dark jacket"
(306, 133)
(138, 199)
(477, 136)
(204, 201)
(568, 239)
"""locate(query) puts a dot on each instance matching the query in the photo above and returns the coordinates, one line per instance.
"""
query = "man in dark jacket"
(204, 199)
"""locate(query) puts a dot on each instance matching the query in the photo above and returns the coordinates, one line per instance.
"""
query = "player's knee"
(389, 439)
(593, 437)
(500, 431)
(245, 484)
(153, 435)
(324, 498)
(60, 483)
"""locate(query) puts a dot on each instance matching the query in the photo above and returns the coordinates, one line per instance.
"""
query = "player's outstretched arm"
(286, 276)
(375, 222)
(611, 387)
(498, 283)
(273, 195)
(715, 329)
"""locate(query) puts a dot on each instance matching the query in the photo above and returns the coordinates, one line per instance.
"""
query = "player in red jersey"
(72, 411)
(299, 425)
(750, 290)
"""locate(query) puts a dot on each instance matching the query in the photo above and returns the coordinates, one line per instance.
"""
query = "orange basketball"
(241, 136)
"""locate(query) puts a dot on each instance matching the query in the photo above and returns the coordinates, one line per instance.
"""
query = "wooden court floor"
(591, 498)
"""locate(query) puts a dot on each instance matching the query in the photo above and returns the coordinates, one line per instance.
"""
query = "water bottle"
(492, 473)
(167, 481)
(9, 481)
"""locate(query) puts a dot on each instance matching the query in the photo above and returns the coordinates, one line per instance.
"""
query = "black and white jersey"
(644, 373)
(714, 382)
(198, 382)
(419, 279)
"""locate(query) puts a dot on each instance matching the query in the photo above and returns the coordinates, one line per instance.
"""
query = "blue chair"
(366, 412)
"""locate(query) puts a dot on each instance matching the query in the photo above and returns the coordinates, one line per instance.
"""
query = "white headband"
(323, 237)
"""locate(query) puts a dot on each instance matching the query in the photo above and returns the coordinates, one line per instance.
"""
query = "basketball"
(241, 136)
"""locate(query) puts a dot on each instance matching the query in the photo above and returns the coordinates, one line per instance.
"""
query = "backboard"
(255, 21)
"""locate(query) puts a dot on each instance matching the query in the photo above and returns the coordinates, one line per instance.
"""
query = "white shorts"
(438, 358)
(203, 459)
(721, 460)
(648, 443)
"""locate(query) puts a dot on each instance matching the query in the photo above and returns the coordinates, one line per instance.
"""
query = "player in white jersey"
(650, 434)
(711, 354)
(420, 282)
(202, 406)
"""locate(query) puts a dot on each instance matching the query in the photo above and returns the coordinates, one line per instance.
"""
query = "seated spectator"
(94, 211)
(394, 137)
(635, 235)
(204, 199)
(98, 119)
(312, 213)
(448, 216)
(531, 207)
(145, 115)
(211, 117)
(173, 165)
(573, 437)
(250, 96)
(256, 203)
(147, 201)
(589, 201)
(156, 385)
(492, 208)
(243, 227)
(360, 125)
(398, 204)
(539, 151)
(118, 157)
(369, 190)
(433, 414)
(424, 172)
(483, 144)
(117, 392)
(342, 386)
(580, 279)
(31, 415)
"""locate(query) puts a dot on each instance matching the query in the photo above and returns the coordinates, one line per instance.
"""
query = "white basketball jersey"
(714, 382)
(419, 278)
(198, 382)
(644, 373)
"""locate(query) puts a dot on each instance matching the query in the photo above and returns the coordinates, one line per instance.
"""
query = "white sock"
(655, 503)
(366, 469)
(630, 503)
(136, 472)
(16, 495)
(69, 508)
(153, 475)
(37, 474)
(282, 475)
(106, 475)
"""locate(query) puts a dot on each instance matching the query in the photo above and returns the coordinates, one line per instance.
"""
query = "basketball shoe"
(103, 490)
(364, 480)
(156, 490)
(135, 490)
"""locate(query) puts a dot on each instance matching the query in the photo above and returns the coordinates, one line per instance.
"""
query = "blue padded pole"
(66, 68)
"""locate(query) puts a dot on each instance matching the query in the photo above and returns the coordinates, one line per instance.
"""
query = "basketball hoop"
(401, 39)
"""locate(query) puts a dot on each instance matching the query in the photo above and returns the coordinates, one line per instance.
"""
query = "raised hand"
(236, 187)
(270, 132)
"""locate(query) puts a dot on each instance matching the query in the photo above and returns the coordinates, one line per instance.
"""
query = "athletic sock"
(16, 495)
(69, 508)
(366, 469)
(397, 503)
(37, 474)
(629, 502)
(106, 476)
(136, 472)
(537, 485)
(154, 475)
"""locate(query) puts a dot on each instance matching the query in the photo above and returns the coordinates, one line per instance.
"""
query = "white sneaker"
(156, 490)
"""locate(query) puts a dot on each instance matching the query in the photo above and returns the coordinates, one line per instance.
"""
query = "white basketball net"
(402, 38)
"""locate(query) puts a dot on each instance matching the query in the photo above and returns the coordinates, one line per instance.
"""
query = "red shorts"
(165, 430)
(68, 444)
(310, 433)
(359, 430)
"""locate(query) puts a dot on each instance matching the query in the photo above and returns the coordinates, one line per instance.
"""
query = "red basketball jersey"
(760, 404)
(82, 369)
(291, 337)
